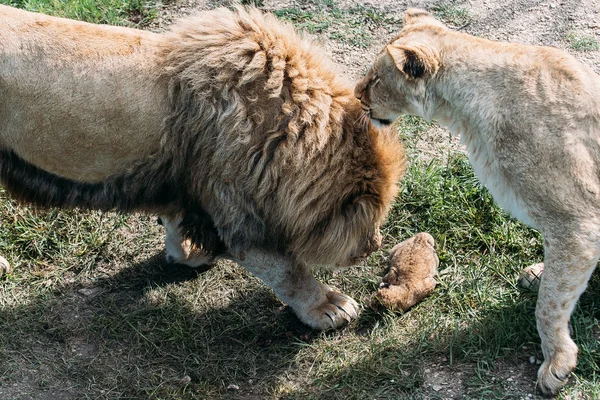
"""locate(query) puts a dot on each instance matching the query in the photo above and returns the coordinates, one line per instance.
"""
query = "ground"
(92, 311)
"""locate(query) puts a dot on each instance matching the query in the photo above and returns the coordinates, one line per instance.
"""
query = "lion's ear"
(417, 16)
(412, 61)
(361, 205)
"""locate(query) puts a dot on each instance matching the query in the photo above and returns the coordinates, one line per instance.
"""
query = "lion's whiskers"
(363, 120)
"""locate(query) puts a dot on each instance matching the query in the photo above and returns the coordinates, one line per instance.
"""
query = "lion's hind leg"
(315, 304)
(179, 249)
(568, 264)
(4, 266)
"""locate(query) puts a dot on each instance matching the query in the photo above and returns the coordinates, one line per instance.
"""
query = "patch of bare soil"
(508, 380)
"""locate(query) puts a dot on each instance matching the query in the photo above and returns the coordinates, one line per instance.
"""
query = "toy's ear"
(412, 61)
(416, 15)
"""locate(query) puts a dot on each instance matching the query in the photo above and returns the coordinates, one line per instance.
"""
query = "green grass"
(353, 26)
(452, 13)
(582, 42)
(114, 12)
(153, 331)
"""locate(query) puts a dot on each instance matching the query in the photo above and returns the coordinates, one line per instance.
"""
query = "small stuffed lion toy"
(412, 266)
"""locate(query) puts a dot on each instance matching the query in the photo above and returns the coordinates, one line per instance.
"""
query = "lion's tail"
(145, 188)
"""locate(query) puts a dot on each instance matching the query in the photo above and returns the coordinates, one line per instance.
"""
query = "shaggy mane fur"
(277, 140)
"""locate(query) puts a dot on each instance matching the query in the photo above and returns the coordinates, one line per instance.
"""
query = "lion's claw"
(554, 372)
(336, 311)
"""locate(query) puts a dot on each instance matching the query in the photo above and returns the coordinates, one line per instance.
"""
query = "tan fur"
(530, 120)
(180, 249)
(231, 120)
(530, 277)
(109, 119)
(410, 277)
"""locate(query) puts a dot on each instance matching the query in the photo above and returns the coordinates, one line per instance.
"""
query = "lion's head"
(397, 82)
(348, 204)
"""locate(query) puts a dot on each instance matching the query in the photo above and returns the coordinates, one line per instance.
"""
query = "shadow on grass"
(172, 332)
(483, 357)
(157, 331)
(149, 331)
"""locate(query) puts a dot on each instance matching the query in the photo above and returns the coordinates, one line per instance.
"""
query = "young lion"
(410, 278)
(530, 120)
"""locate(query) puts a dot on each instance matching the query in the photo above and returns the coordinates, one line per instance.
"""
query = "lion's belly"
(486, 168)
(502, 192)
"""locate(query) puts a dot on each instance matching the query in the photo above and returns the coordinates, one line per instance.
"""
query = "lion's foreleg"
(568, 264)
(316, 304)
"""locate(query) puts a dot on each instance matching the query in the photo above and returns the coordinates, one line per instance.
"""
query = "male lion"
(232, 127)
(530, 120)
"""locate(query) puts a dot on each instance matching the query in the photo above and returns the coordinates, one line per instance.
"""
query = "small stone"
(89, 292)
(233, 387)
(437, 388)
(186, 380)
(509, 379)
(531, 360)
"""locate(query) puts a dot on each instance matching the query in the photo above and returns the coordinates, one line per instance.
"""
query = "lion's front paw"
(336, 311)
(551, 378)
(4, 266)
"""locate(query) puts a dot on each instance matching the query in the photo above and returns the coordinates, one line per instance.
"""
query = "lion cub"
(529, 118)
(412, 266)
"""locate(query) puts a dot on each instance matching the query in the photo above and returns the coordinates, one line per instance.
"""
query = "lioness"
(234, 129)
(530, 120)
